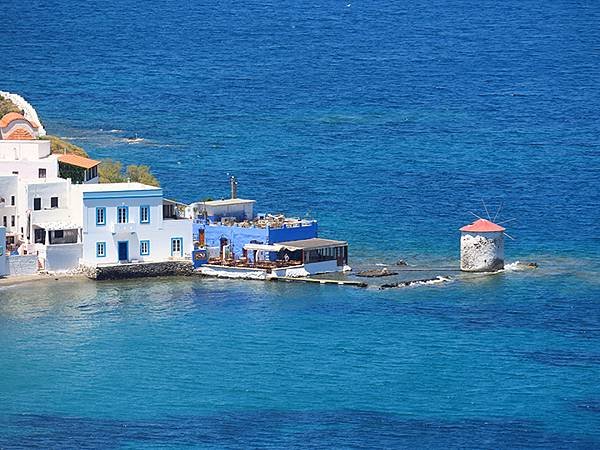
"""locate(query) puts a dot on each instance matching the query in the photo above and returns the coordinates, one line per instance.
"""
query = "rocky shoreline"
(139, 270)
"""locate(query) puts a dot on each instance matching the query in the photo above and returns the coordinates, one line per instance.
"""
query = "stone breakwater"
(138, 270)
(28, 111)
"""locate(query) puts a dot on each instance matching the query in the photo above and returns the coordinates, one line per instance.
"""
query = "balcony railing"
(118, 228)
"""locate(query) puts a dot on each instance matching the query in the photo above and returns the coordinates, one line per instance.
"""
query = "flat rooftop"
(44, 181)
(110, 187)
(227, 201)
(307, 244)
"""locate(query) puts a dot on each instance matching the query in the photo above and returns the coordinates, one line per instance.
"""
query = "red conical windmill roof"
(483, 226)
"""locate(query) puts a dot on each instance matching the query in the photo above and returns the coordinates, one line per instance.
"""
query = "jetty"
(360, 284)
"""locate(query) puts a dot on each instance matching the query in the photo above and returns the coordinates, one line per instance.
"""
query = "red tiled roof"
(19, 134)
(12, 116)
(78, 161)
(483, 226)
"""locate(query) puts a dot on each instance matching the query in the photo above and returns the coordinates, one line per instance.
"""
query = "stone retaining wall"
(139, 270)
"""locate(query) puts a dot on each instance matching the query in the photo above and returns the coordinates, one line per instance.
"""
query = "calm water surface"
(388, 123)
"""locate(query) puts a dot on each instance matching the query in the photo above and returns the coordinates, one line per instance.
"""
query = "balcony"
(123, 228)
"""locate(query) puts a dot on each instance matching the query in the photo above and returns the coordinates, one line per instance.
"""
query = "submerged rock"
(385, 272)
(438, 279)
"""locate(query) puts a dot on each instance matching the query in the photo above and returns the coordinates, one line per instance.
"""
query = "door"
(123, 251)
(177, 247)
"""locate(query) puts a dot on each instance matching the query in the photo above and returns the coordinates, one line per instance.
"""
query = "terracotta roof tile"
(19, 134)
(12, 116)
(483, 226)
(79, 161)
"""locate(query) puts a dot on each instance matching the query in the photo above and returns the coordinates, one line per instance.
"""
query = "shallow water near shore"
(508, 360)
(386, 122)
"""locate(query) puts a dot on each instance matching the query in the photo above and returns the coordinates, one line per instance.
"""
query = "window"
(144, 248)
(122, 214)
(39, 236)
(12, 221)
(12, 200)
(41, 173)
(53, 202)
(144, 214)
(176, 244)
(100, 249)
(15, 172)
(100, 216)
(5, 221)
(37, 204)
(59, 234)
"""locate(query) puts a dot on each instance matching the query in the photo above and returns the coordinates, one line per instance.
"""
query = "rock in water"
(376, 273)
(401, 262)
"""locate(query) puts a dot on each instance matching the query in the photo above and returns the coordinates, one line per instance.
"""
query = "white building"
(215, 210)
(66, 224)
(31, 193)
(130, 222)
(3, 257)
(482, 247)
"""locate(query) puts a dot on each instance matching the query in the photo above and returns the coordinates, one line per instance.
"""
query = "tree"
(111, 172)
(141, 174)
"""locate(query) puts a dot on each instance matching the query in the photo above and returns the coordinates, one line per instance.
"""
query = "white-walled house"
(3, 257)
(65, 224)
(125, 222)
(35, 204)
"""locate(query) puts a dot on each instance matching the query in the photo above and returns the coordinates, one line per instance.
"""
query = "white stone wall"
(22, 265)
(30, 170)
(62, 257)
(481, 252)
(29, 111)
(8, 189)
(3, 257)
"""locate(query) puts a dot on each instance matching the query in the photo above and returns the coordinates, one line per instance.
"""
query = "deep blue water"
(388, 122)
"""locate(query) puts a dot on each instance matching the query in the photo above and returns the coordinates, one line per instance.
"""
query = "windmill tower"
(482, 247)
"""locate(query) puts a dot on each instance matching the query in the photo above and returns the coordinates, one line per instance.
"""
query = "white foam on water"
(513, 267)
(439, 279)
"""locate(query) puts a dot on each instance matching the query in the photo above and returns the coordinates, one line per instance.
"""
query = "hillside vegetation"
(60, 146)
(112, 172)
(6, 106)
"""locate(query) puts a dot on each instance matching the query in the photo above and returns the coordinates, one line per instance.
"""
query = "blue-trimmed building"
(127, 222)
(224, 227)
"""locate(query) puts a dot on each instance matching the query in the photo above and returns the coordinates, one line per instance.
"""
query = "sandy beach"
(21, 279)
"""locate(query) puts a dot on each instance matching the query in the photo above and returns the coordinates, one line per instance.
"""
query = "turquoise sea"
(386, 121)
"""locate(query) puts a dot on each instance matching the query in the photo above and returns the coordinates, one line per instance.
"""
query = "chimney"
(233, 182)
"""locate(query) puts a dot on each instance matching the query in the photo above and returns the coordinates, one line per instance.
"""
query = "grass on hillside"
(60, 146)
